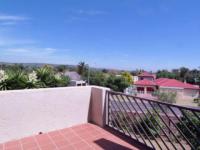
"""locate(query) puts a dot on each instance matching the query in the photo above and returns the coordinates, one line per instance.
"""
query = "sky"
(120, 34)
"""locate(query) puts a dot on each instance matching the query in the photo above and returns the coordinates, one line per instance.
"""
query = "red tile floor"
(81, 137)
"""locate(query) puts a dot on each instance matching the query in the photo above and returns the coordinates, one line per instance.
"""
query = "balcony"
(93, 118)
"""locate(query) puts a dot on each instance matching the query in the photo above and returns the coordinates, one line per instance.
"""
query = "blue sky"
(123, 34)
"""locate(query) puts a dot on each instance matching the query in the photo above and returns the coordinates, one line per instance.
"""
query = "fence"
(156, 124)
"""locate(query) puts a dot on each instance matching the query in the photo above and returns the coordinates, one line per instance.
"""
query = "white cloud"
(7, 20)
(84, 15)
(30, 52)
(4, 17)
(36, 55)
(10, 41)
(17, 50)
(91, 12)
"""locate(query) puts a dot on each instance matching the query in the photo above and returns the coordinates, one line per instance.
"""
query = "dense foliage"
(191, 127)
(182, 74)
(39, 78)
(168, 97)
(116, 83)
(151, 124)
(128, 77)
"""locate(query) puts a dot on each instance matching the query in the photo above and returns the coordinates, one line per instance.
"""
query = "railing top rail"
(164, 103)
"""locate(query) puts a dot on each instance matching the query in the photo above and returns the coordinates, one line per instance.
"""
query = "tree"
(105, 70)
(165, 74)
(82, 68)
(183, 72)
(97, 78)
(128, 77)
(61, 68)
(117, 83)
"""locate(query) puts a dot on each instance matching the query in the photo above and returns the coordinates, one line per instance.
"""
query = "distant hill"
(34, 64)
(71, 67)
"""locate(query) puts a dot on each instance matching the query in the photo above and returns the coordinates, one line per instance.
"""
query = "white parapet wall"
(28, 112)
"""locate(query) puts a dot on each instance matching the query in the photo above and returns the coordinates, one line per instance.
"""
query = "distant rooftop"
(73, 75)
(145, 82)
(165, 82)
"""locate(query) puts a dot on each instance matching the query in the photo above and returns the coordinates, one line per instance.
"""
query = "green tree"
(190, 126)
(82, 68)
(165, 74)
(128, 77)
(61, 68)
(97, 78)
(117, 83)
(183, 73)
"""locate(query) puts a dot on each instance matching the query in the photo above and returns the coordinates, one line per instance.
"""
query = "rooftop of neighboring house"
(145, 82)
(73, 75)
(165, 82)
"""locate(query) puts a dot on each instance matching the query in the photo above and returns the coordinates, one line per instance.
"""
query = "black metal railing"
(156, 124)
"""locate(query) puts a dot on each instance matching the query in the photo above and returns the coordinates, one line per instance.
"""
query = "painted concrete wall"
(184, 97)
(191, 93)
(98, 106)
(27, 112)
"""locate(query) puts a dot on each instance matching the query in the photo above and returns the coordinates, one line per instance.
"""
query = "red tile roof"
(145, 82)
(174, 83)
(165, 82)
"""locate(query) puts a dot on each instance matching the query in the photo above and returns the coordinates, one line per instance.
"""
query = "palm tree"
(82, 67)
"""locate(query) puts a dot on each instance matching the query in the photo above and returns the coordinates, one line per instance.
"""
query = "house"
(147, 84)
(75, 78)
(147, 76)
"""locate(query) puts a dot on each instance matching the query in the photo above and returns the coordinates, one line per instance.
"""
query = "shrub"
(41, 78)
(15, 80)
(190, 126)
(150, 125)
(196, 100)
(168, 97)
(117, 83)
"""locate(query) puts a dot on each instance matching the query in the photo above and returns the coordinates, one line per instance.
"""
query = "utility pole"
(88, 75)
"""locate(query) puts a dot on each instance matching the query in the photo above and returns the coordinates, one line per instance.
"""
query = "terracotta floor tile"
(30, 145)
(61, 143)
(54, 133)
(27, 140)
(58, 138)
(81, 145)
(73, 139)
(67, 147)
(48, 147)
(81, 137)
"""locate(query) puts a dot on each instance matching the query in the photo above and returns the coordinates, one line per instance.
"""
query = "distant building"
(147, 76)
(75, 78)
(147, 84)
